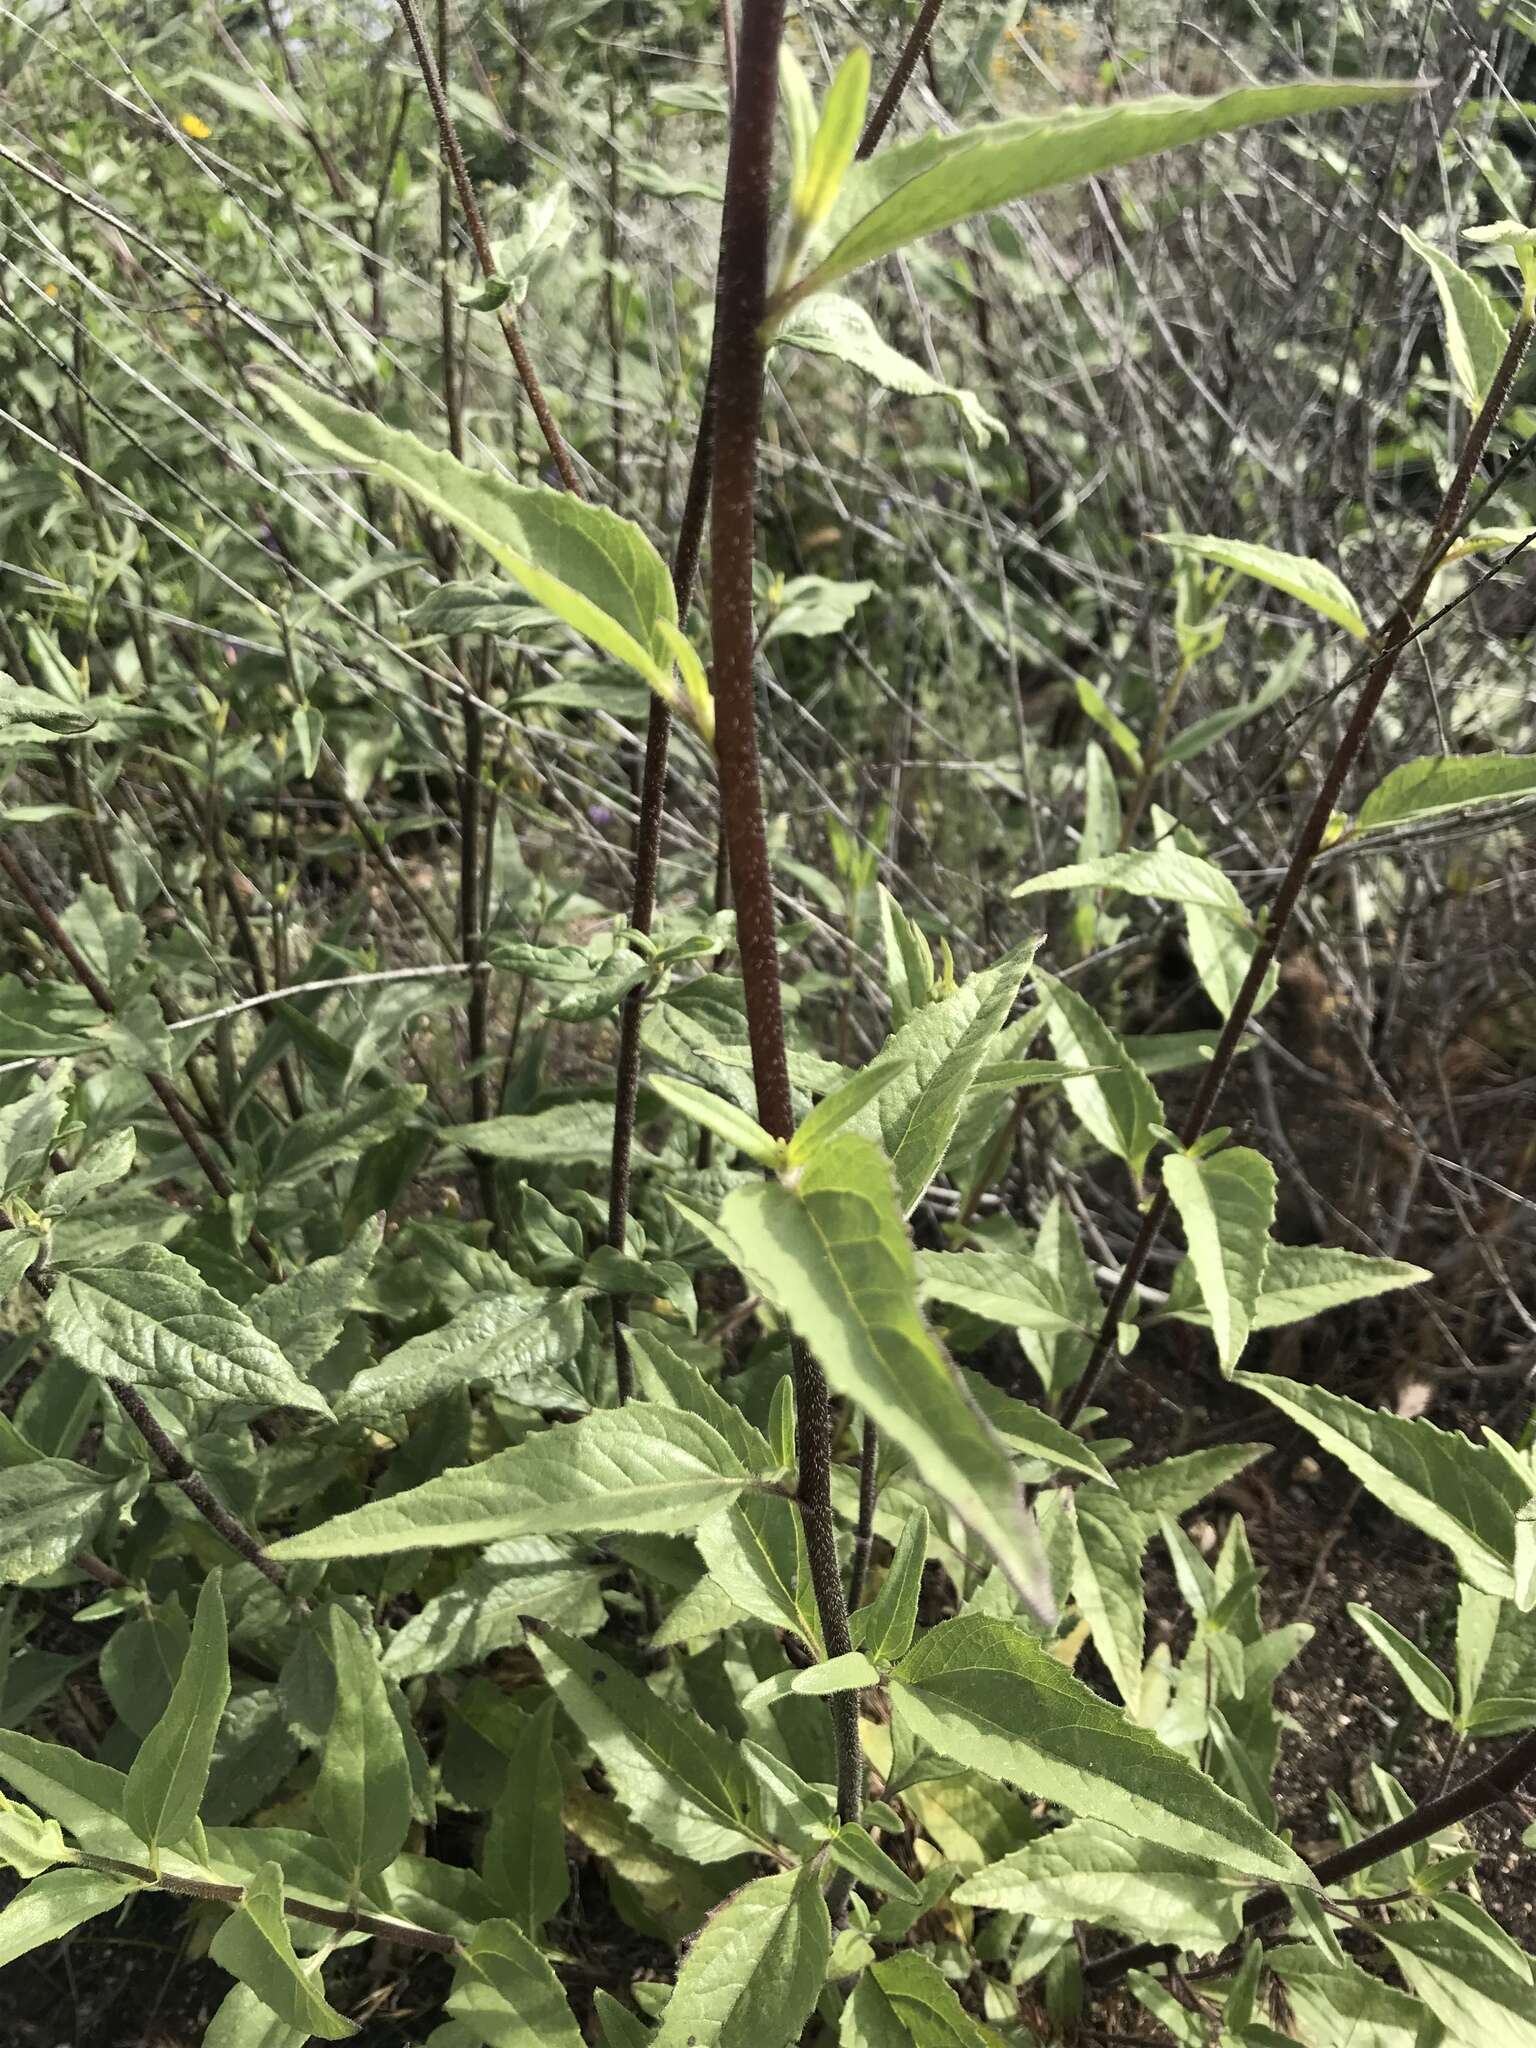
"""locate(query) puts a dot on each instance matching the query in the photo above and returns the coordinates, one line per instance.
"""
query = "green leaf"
(730, 1124)
(1118, 1106)
(1002, 1287)
(507, 1996)
(242, 2021)
(1427, 1685)
(29, 1128)
(361, 1801)
(841, 1106)
(1109, 1540)
(481, 1612)
(833, 1254)
(54, 1905)
(1297, 575)
(1059, 1358)
(1343, 2006)
(49, 1509)
(324, 1138)
(1175, 1485)
(1302, 1281)
(756, 1969)
(942, 1047)
(1478, 2002)
(829, 325)
(1032, 1432)
(756, 1555)
(1090, 1872)
(1165, 874)
(908, 960)
(511, 1343)
(1464, 1497)
(813, 193)
(621, 2028)
(811, 607)
(886, 1625)
(637, 1467)
(572, 1134)
(920, 187)
(989, 1695)
(595, 571)
(147, 1317)
(254, 1945)
(683, 1781)
(1423, 789)
(168, 1777)
(524, 1858)
(855, 1850)
(305, 1313)
(904, 2002)
(1205, 732)
(1476, 328)
(85, 1795)
(1226, 1203)
(29, 1844)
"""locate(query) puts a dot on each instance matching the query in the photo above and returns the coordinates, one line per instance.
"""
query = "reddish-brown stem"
(906, 64)
(336, 1917)
(474, 220)
(1383, 664)
(740, 364)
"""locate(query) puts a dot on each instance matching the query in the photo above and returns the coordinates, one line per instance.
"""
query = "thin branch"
(906, 64)
(485, 255)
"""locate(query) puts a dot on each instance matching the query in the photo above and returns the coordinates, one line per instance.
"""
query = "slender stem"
(906, 64)
(743, 273)
(475, 221)
(642, 911)
(864, 1532)
(472, 768)
(337, 1917)
(1459, 1804)
(1382, 666)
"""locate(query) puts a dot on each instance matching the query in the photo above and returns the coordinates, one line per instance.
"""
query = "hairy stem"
(740, 366)
(906, 64)
(1382, 666)
(337, 1917)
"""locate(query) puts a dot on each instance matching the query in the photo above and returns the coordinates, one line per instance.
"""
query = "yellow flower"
(193, 125)
(50, 291)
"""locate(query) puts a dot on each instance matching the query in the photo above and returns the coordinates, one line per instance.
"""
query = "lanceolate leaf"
(1479, 2002)
(1300, 1281)
(507, 1994)
(362, 1798)
(920, 187)
(524, 1861)
(885, 1627)
(1465, 1497)
(1297, 575)
(829, 325)
(49, 1509)
(1226, 1204)
(1427, 1684)
(149, 1318)
(1109, 1541)
(595, 571)
(304, 1314)
(989, 1695)
(1476, 330)
(943, 1046)
(513, 1344)
(833, 1253)
(254, 1945)
(1424, 789)
(756, 1969)
(1003, 1287)
(52, 1905)
(1094, 1873)
(1118, 1105)
(638, 1467)
(169, 1776)
(904, 2002)
(1164, 873)
(683, 1781)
